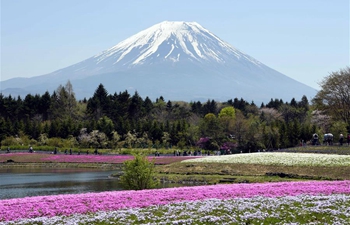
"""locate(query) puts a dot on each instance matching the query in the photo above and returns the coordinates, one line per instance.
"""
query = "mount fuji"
(176, 60)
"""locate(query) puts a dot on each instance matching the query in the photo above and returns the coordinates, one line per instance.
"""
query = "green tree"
(30, 106)
(115, 138)
(130, 139)
(270, 137)
(99, 104)
(227, 116)
(304, 103)
(210, 126)
(105, 125)
(228, 111)
(339, 127)
(71, 102)
(240, 128)
(135, 107)
(169, 105)
(44, 105)
(284, 141)
(138, 174)
(147, 105)
(210, 107)
(294, 132)
(62, 104)
(334, 96)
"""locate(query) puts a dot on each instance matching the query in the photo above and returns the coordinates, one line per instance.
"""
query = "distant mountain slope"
(176, 60)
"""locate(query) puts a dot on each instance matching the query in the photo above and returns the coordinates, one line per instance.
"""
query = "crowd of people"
(328, 139)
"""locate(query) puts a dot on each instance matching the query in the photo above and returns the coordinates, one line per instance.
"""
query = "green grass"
(210, 173)
(323, 149)
(222, 179)
(256, 170)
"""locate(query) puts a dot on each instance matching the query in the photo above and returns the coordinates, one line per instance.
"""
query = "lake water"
(24, 182)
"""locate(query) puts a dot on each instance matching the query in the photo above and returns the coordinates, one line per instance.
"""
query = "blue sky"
(303, 39)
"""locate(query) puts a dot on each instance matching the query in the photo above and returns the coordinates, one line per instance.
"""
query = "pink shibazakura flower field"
(300, 209)
(68, 205)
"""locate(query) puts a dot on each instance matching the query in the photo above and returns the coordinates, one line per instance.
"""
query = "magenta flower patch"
(84, 158)
(50, 206)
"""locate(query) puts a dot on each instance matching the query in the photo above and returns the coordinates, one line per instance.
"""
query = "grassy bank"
(253, 172)
(322, 149)
(221, 179)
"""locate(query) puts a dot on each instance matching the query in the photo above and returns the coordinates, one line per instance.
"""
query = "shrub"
(138, 174)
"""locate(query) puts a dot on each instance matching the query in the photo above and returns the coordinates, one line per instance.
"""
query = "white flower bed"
(279, 158)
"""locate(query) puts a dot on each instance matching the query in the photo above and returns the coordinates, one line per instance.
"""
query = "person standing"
(341, 139)
(314, 139)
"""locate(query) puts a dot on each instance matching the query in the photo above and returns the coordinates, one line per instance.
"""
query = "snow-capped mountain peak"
(171, 41)
(176, 60)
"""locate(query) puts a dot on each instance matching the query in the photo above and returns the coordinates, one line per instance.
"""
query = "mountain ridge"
(178, 60)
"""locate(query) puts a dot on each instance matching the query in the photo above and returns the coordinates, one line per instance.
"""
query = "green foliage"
(8, 141)
(119, 120)
(57, 142)
(138, 174)
(228, 111)
(210, 126)
(339, 127)
(334, 98)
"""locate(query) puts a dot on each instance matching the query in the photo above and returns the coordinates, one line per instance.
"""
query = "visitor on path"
(8, 150)
(314, 139)
(348, 139)
(55, 151)
(30, 149)
(70, 151)
(341, 139)
(328, 139)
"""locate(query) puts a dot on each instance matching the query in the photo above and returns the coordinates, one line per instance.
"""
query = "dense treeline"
(127, 120)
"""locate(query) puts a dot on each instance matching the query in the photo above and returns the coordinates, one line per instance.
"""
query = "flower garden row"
(266, 158)
(160, 200)
(114, 159)
(301, 209)
(279, 158)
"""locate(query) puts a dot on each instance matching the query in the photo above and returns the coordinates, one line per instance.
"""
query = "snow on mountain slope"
(178, 60)
(172, 41)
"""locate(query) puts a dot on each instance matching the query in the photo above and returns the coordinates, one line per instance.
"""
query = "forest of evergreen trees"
(127, 120)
